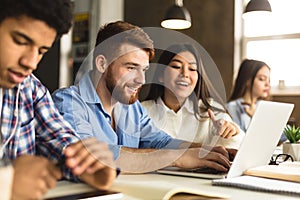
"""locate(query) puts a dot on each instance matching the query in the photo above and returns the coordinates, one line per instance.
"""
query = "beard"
(117, 91)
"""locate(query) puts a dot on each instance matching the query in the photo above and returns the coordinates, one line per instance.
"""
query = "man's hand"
(200, 157)
(33, 177)
(92, 161)
(229, 153)
(224, 128)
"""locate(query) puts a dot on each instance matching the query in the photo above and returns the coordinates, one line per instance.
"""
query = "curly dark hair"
(57, 14)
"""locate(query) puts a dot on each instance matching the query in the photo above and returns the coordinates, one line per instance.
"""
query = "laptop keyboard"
(206, 170)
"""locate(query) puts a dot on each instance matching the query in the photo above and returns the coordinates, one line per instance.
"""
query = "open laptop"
(258, 145)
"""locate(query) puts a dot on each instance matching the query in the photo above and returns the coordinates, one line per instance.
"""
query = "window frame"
(275, 90)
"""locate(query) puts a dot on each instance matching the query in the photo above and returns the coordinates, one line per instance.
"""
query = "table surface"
(159, 179)
(155, 179)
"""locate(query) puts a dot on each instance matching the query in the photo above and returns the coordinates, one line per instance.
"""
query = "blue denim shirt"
(81, 106)
(238, 114)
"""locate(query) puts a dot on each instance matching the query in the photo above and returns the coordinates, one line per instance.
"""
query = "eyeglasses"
(276, 160)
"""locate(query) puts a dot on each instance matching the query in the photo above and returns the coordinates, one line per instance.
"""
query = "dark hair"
(203, 89)
(57, 14)
(247, 72)
(111, 36)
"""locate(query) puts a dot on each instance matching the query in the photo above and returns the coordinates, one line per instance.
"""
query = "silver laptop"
(258, 145)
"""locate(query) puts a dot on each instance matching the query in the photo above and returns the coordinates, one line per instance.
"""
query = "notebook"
(93, 195)
(258, 145)
(66, 190)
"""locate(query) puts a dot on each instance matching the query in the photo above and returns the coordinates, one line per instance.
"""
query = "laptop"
(258, 145)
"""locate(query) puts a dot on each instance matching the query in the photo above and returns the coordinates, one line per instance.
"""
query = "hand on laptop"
(227, 152)
(200, 157)
(224, 128)
(33, 177)
(231, 153)
(92, 161)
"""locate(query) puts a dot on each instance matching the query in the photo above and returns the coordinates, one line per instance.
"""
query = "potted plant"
(293, 146)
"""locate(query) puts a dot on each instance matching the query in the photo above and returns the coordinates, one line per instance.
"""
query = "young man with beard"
(104, 104)
(36, 143)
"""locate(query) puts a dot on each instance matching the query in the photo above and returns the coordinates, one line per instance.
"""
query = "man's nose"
(30, 59)
(140, 77)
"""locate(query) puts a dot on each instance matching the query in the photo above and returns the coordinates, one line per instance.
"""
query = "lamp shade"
(258, 5)
(177, 17)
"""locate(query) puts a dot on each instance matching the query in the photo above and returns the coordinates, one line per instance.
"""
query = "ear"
(101, 63)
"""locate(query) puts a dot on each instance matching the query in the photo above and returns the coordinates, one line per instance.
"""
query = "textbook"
(141, 187)
(283, 178)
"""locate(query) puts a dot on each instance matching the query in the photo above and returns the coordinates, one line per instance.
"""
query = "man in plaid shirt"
(34, 136)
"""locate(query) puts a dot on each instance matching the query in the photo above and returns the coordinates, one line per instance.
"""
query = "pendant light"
(177, 17)
(257, 7)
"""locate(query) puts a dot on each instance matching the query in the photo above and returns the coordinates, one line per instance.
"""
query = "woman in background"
(180, 100)
(252, 84)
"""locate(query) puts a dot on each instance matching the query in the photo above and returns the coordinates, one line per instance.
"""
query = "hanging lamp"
(177, 17)
(257, 7)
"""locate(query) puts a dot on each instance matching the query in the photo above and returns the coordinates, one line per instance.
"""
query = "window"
(275, 39)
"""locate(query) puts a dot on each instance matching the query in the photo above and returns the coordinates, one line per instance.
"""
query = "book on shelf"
(282, 178)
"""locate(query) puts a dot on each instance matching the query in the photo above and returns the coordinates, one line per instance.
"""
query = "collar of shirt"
(187, 106)
(89, 95)
(87, 89)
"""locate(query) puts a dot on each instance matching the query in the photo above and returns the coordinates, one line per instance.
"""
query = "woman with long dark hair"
(252, 84)
(183, 102)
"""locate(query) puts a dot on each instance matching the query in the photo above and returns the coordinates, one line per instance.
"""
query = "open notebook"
(260, 141)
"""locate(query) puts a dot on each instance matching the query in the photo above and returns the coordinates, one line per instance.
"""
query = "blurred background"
(220, 26)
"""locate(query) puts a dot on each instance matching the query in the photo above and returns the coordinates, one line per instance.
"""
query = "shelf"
(287, 91)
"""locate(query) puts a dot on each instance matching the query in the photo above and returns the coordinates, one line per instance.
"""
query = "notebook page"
(260, 184)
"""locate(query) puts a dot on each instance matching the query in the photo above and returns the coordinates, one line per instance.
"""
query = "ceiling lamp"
(258, 7)
(177, 17)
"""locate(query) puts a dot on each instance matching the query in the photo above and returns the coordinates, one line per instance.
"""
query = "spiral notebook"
(260, 184)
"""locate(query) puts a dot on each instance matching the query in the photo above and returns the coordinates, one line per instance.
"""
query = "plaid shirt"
(36, 125)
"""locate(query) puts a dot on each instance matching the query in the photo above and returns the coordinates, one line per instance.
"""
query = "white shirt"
(184, 125)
